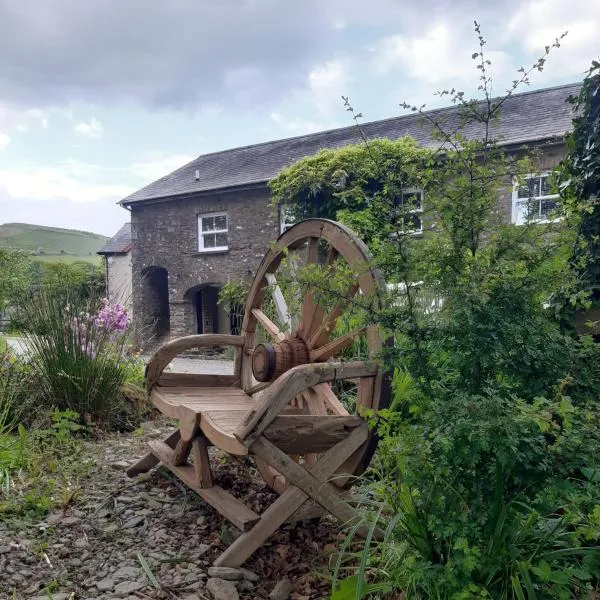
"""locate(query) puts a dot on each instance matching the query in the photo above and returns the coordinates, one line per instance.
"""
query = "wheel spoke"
(283, 313)
(322, 333)
(336, 346)
(269, 326)
(312, 250)
(331, 400)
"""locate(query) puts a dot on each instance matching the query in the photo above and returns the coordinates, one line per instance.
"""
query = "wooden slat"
(171, 379)
(269, 326)
(181, 452)
(231, 508)
(310, 433)
(289, 502)
(336, 346)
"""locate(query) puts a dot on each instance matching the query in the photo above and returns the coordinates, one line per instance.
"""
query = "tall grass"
(79, 363)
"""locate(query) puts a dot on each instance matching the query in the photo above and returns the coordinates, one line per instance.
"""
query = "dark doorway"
(208, 314)
(155, 301)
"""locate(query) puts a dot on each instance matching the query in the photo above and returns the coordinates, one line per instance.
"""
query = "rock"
(54, 596)
(245, 585)
(128, 587)
(201, 520)
(192, 597)
(202, 549)
(282, 590)
(126, 573)
(68, 521)
(134, 522)
(249, 575)
(5, 549)
(228, 573)
(221, 589)
(120, 465)
(105, 585)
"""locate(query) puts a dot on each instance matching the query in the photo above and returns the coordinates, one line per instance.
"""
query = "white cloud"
(327, 83)
(298, 126)
(4, 140)
(538, 23)
(440, 55)
(13, 117)
(92, 129)
(155, 167)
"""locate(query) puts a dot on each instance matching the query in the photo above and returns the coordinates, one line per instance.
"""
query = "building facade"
(118, 267)
(210, 222)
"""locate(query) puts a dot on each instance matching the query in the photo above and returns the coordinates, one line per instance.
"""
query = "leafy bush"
(79, 358)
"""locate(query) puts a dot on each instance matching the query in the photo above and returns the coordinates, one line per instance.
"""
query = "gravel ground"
(92, 549)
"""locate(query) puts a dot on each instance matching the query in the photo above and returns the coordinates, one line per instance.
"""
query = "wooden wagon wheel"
(310, 338)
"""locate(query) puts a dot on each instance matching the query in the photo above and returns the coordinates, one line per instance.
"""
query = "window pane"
(209, 240)
(413, 222)
(221, 222)
(545, 186)
(530, 189)
(208, 223)
(412, 199)
(547, 207)
(221, 240)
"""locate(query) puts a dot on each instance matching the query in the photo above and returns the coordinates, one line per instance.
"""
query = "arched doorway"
(155, 301)
(205, 313)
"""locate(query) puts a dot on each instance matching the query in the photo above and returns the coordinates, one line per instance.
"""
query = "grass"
(67, 258)
(52, 241)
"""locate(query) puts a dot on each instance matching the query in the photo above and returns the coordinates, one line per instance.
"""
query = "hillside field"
(52, 244)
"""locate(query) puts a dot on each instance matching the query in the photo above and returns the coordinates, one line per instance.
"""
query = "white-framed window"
(212, 232)
(285, 218)
(532, 200)
(411, 203)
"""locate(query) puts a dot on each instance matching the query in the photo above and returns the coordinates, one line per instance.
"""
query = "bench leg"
(149, 461)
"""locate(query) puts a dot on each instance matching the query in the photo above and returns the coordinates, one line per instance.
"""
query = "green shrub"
(79, 358)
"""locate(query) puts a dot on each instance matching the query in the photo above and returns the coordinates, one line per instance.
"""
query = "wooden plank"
(201, 462)
(289, 502)
(281, 307)
(273, 400)
(197, 380)
(304, 434)
(336, 346)
(269, 326)
(231, 508)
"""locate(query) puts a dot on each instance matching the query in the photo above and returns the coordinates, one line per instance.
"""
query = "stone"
(68, 521)
(134, 522)
(54, 596)
(126, 573)
(120, 465)
(127, 587)
(282, 590)
(202, 549)
(245, 586)
(105, 585)
(221, 589)
(228, 573)
(249, 575)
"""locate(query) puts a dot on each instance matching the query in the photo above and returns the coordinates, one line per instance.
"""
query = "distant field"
(52, 244)
(67, 258)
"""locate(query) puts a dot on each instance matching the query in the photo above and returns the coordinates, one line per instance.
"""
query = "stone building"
(117, 263)
(209, 222)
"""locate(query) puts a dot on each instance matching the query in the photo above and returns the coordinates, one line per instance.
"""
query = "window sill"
(211, 251)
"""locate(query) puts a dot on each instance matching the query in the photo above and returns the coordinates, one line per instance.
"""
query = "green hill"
(52, 243)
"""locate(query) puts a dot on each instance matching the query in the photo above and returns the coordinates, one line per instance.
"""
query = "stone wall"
(165, 234)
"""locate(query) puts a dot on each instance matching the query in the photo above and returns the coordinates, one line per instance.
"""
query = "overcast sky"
(99, 98)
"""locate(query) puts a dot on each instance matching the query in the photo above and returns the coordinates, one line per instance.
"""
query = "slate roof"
(533, 116)
(120, 243)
